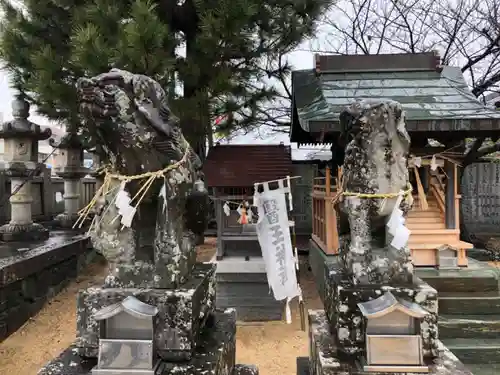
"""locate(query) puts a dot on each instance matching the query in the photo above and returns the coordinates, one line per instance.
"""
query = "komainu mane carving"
(129, 117)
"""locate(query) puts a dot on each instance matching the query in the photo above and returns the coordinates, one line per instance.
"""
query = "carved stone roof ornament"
(388, 303)
(131, 306)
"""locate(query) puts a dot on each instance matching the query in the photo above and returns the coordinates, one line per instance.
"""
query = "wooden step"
(423, 220)
(443, 236)
(425, 226)
(431, 201)
(430, 208)
(455, 244)
(479, 351)
(469, 326)
(427, 213)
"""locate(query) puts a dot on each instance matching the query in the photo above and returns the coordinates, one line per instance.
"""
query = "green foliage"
(234, 51)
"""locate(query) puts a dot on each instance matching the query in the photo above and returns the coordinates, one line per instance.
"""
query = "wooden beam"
(449, 200)
(328, 182)
(457, 198)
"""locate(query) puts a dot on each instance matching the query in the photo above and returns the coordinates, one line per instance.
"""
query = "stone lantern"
(21, 138)
(70, 169)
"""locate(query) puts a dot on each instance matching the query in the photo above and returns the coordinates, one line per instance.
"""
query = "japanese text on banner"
(275, 241)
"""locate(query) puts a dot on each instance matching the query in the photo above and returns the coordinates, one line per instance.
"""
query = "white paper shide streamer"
(396, 226)
(125, 209)
(275, 241)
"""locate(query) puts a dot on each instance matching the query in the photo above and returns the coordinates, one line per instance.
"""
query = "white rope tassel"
(288, 312)
(289, 184)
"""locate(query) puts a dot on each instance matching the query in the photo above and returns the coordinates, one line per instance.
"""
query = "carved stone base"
(65, 220)
(169, 270)
(27, 232)
(326, 359)
(182, 313)
(215, 355)
(341, 307)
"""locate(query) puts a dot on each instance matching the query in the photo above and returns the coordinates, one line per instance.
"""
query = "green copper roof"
(430, 98)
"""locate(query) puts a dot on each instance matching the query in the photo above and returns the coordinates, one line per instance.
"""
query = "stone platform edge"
(30, 279)
(182, 313)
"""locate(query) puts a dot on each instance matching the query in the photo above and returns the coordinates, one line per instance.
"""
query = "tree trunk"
(195, 125)
(199, 239)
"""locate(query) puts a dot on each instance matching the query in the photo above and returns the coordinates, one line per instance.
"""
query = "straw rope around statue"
(406, 194)
(149, 177)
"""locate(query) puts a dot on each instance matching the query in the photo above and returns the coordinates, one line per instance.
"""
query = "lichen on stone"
(129, 116)
(375, 163)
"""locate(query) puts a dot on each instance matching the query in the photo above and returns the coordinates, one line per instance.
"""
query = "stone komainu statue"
(375, 162)
(128, 116)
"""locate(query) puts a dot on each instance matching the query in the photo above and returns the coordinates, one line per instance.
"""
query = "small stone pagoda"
(155, 312)
(379, 318)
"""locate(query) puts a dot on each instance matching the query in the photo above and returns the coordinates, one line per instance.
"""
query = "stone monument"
(21, 138)
(155, 313)
(379, 318)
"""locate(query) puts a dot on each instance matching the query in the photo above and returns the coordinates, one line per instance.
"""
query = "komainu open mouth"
(96, 101)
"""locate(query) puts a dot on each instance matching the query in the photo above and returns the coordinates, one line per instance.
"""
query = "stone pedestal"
(338, 334)
(214, 355)
(70, 169)
(325, 358)
(191, 336)
(182, 313)
(21, 138)
(344, 316)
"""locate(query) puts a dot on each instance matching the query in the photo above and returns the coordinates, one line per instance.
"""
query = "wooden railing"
(324, 217)
(437, 192)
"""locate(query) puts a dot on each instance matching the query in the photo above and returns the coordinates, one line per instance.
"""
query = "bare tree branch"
(465, 32)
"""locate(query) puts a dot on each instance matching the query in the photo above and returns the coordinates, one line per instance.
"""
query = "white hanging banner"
(273, 232)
